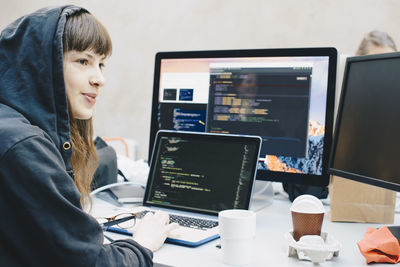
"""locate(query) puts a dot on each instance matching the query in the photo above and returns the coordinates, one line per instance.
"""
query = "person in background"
(376, 42)
(51, 64)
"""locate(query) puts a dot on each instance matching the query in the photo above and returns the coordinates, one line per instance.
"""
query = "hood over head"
(31, 70)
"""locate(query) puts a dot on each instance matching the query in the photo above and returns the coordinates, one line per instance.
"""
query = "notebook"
(196, 175)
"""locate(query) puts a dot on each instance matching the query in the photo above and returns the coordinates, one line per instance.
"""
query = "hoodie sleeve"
(44, 224)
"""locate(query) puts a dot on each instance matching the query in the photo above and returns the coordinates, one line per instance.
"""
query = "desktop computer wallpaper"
(185, 86)
(311, 164)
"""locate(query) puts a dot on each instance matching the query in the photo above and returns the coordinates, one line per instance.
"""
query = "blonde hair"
(375, 38)
(84, 32)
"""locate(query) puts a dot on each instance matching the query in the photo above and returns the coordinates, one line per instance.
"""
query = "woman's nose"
(97, 79)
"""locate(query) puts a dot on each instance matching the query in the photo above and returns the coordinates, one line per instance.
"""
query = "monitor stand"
(263, 195)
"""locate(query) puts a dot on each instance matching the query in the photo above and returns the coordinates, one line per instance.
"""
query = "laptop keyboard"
(184, 221)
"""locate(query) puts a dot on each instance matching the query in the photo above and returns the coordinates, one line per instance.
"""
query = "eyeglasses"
(122, 220)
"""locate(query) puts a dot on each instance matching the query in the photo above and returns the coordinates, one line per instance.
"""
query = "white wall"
(140, 28)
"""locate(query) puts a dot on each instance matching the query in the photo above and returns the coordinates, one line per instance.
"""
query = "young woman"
(51, 65)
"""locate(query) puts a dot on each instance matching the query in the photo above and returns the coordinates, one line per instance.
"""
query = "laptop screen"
(202, 172)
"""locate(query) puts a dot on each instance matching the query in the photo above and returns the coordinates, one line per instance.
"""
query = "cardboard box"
(353, 201)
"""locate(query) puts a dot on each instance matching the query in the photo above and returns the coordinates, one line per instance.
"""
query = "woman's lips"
(91, 98)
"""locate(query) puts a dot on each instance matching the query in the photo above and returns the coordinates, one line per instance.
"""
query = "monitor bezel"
(346, 174)
(266, 175)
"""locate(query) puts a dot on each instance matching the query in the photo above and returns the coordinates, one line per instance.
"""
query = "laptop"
(193, 176)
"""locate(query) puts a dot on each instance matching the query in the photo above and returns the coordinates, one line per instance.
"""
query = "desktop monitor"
(286, 96)
(366, 143)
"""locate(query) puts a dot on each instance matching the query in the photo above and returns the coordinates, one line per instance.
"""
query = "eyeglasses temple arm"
(114, 222)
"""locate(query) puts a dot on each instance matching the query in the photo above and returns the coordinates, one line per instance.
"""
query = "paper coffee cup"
(307, 216)
(237, 229)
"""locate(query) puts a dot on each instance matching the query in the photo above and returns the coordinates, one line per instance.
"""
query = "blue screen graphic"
(186, 94)
(189, 120)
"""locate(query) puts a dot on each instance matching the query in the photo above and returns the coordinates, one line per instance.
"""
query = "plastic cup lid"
(307, 204)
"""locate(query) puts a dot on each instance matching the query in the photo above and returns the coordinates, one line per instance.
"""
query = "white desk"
(271, 246)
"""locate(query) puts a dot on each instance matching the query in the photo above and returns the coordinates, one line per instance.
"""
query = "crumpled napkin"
(379, 245)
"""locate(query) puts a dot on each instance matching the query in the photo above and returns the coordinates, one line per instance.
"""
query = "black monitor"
(286, 96)
(366, 145)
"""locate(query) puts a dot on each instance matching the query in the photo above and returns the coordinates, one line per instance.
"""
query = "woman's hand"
(153, 229)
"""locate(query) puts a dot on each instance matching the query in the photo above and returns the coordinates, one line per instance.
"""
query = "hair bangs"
(84, 32)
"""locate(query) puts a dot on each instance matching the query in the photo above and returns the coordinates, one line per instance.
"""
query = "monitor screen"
(285, 96)
(365, 146)
(202, 172)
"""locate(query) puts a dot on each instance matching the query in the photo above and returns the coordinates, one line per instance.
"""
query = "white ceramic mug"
(237, 229)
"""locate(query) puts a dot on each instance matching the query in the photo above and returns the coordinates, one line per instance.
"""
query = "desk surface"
(273, 222)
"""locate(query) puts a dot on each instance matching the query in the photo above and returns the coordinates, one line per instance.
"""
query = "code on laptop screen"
(203, 173)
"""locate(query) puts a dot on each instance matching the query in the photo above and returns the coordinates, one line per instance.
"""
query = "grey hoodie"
(41, 220)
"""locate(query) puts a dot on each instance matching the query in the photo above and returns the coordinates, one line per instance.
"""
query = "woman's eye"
(102, 65)
(83, 61)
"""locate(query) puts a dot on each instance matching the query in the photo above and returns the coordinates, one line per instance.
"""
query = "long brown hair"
(84, 32)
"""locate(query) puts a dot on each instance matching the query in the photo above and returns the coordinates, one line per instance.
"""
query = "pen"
(117, 230)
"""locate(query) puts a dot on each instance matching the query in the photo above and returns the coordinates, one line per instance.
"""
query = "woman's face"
(83, 79)
(375, 49)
